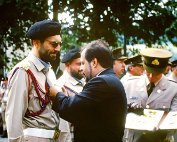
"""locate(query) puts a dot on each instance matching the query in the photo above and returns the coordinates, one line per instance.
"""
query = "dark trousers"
(155, 136)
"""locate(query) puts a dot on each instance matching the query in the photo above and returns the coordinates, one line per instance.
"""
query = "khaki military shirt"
(19, 101)
(125, 77)
(163, 96)
(172, 77)
(72, 86)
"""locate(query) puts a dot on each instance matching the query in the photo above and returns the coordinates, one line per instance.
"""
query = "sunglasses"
(54, 43)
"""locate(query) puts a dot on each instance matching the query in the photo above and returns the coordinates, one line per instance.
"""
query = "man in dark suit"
(98, 112)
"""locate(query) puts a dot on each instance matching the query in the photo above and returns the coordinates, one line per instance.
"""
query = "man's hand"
(53, 91)
(135, 105)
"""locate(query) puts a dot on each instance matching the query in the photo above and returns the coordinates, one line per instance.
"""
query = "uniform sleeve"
(16, 105)
(174, 103)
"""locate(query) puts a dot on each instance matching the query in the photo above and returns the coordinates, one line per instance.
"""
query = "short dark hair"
(99, 51)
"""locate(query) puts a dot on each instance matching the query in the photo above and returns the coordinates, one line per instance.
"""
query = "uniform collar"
(73, 80)
(147, 81)
(162, 82)
(39, 64)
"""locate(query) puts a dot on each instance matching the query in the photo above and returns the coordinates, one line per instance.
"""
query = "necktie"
(150, 88)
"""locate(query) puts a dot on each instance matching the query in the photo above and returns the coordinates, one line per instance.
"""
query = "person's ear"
(130, 68)
(36, 43)
(94, 62)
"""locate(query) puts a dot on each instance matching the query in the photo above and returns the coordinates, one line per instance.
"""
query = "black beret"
(71, 55)
(155, 60)
(44, 29)
(117, 54)
(134, 60)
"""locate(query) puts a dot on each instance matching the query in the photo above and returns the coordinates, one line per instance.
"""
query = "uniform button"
(147, 106)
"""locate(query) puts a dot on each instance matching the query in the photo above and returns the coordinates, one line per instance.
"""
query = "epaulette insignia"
(25, 65)
(172, 80)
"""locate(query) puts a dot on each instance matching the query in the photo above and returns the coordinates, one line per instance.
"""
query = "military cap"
(134, 60)
(71, 55)
(44, 29)
(155, 60)
(117, 54)
(174, 63)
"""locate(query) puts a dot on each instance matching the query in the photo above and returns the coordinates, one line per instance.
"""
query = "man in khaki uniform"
(173, 74)
(72, 80)
(29, 115)
(119, 62)
(153, 91)
(3, 105)
(134, 67)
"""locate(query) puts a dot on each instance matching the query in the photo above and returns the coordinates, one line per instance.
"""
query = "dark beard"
(88, 78)
(46, 57)
(76, 75)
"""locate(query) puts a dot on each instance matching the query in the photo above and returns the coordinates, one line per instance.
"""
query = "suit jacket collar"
(107, 71)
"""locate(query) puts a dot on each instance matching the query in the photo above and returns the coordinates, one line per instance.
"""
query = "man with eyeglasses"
(29, 115)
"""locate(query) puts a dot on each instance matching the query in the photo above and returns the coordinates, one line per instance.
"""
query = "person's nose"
(58, 48)
(123, 65)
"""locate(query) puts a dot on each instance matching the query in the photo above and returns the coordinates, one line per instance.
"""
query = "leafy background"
(122, 23)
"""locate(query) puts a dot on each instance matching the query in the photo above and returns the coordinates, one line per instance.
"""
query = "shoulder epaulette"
(134, 77)
(172, 80)
(25, 65)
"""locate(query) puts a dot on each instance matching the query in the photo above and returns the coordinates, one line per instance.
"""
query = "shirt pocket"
(163, 106)
(34, 103)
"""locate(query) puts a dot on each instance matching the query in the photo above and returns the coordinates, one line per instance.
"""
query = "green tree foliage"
(136, 19)
(15, 19)
(148, 21)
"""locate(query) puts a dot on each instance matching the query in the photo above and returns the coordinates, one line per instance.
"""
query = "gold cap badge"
(155, 62)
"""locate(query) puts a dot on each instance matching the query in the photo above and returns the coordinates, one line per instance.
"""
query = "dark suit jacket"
(98, 112)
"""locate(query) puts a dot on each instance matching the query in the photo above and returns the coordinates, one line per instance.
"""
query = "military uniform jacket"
(172, 77)
(126, 77)
(164, 95)
(73, 86)
(98, 112)
(19, 100)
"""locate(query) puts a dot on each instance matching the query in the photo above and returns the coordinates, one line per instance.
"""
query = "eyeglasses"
(141, 66)
(54, 43)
